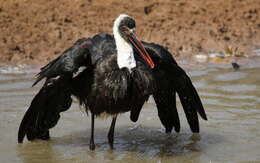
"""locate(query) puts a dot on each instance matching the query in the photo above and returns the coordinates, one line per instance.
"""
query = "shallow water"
(232, 133)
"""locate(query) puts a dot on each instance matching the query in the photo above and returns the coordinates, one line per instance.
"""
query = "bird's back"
(103, 44)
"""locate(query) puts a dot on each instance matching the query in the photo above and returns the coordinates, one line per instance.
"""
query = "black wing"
(171, 79)
(85, 52)
(44, 111)
(55, 96)
(67, 63)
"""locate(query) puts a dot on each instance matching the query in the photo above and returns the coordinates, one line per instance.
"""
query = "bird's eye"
(125, 30)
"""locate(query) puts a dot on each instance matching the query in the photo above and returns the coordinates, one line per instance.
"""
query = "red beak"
(141, 50)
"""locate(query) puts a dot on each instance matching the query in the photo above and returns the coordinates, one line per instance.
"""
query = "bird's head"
(124, 25)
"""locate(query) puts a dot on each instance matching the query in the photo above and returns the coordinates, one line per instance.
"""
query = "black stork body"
(111, 75)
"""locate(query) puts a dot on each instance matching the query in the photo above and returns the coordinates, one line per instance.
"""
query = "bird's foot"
(111, 140)
(111, 144)
(92, 146)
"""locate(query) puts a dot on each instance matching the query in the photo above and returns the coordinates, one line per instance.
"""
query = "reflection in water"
(37, 151)
(232, 134)
(130, 145)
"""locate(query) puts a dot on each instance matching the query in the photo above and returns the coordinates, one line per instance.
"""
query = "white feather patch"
(125, 52)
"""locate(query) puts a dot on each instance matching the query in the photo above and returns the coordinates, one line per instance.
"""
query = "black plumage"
(103, 87)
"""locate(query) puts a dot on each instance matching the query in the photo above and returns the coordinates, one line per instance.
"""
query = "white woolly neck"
(125, 52)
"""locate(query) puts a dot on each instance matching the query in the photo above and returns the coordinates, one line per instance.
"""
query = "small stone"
(235, 66)
(201, 57)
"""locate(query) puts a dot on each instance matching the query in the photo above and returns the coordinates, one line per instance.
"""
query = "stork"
(112, 74)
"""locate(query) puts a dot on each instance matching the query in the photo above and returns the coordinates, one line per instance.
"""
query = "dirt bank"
(37, 31)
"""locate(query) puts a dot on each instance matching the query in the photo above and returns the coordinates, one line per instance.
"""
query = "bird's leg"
(110, 135)
(91, 143)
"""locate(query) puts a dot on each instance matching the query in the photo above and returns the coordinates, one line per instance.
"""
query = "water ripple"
(230, 76)
(231, 100)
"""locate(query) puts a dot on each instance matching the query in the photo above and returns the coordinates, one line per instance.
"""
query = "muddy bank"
(38, 31)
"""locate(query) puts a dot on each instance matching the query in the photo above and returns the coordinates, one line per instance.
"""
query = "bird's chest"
(111, 92)
(115, 89)
(113, 85)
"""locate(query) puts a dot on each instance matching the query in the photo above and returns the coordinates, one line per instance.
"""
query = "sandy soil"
(37, 31)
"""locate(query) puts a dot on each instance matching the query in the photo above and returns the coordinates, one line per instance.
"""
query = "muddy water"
(232, 134)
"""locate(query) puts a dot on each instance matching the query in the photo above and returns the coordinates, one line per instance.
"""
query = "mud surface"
(37, 31)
